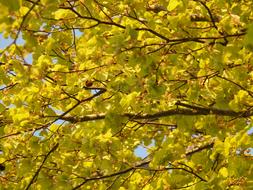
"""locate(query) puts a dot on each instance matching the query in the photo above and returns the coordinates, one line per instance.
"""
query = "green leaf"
(3, 78)
(2, 107)
(13, 5)
(248, 40)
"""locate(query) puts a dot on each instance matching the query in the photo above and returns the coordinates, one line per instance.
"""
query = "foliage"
(174, 76)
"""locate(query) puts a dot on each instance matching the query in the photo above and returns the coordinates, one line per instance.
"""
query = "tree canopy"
(93, 81)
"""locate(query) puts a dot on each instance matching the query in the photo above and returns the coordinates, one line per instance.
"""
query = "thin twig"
(43, 162)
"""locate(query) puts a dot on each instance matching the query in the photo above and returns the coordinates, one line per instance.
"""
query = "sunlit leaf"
(126, 94)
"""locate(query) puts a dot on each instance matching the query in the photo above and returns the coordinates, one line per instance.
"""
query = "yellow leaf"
(60, 68)
(61, 14)
(173, 4)
(128, 99)
(45, 2)
(87, 164)
(2, 160)
(43, 61)
(23, 10)
(223, 172)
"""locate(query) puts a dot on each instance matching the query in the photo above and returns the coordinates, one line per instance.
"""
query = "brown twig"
(43, 162)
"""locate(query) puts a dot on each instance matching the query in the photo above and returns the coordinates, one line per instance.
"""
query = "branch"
(100, 91)
(199, 149)
(191, 110)
(24, 18)
(199, 18)
(236, 84)
(43, 162)
(8, 87)
(144, 166)
(210, 14)
(111, 175)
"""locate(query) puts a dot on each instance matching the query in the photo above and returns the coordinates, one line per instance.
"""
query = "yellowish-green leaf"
(13, 5)
(2, 107)
(63, 14)
(173, 4)
(223, 172)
